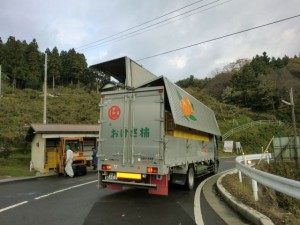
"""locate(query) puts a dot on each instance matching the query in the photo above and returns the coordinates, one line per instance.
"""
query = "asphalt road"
(77, 201)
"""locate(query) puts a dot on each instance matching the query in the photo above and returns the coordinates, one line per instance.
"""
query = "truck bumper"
(158, 184)
(131, 184)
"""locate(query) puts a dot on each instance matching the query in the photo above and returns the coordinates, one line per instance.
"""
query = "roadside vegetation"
(16, 165)
(280, 208)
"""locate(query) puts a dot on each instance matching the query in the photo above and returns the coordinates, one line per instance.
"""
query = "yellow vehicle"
(79, 160)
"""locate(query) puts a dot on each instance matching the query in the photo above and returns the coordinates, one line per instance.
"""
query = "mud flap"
(107, 186)
(162, 185)
(178, 179)
(114, 187)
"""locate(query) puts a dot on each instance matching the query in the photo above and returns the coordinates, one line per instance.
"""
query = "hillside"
(20, 108)
(251, 90)
(244, 91)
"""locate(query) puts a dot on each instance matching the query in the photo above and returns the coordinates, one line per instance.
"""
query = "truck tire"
(83, 170)
(190, 178)
(216, 167)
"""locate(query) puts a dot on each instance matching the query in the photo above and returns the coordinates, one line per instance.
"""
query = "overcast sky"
(77, 23)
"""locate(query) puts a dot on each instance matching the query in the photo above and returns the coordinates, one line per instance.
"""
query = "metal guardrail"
(280, 184)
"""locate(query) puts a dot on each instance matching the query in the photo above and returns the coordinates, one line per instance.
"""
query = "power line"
(154, 26)
(149, 26)
(149, 21)
(217, 38)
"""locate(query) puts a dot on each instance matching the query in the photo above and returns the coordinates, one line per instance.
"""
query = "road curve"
(77, 201)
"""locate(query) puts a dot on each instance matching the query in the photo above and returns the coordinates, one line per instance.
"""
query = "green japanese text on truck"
(151, 132)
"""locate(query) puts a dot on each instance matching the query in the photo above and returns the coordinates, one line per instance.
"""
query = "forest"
(23, 66)
(259, 84)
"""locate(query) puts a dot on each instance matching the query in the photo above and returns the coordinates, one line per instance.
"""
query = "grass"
(223, 154)
(16, 165)
(281, 209)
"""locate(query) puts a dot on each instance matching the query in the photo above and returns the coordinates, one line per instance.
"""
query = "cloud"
(69, 33)
(179, 62)
(97, 57)
(74, 23)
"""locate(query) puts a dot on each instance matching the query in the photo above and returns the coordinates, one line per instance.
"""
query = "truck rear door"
(132, 128)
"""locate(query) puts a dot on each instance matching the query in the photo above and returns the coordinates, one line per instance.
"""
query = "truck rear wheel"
(216, 167)
(83, 170)
(190, 178)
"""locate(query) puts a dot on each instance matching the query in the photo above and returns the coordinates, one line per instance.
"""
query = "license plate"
(135, 176)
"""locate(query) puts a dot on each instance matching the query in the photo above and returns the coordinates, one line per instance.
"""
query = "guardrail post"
(255, 190)
(240, 176)
(268, 160)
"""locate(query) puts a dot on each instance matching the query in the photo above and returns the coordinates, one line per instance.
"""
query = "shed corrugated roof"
(61, 129)
(65, 128)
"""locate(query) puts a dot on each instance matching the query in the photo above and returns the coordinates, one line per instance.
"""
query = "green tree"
(243, 87)
(254, 85)
(73, 67)
(294, 67)
(192, 82)
(64, 63)
(55, 66)
(260, 64)
(1, 51)
(33, 69)
(93, 80)
(14, 62)
(217, 84)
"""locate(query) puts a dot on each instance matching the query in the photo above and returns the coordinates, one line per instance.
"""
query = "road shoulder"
(218, 205)
(251, 214)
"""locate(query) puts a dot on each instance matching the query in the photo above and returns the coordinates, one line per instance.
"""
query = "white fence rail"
(280, 184)
(252, 124)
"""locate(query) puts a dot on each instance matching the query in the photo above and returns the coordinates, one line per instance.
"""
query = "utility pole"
(294, 127)
(292, 104)
(45, 91)
(0, 82)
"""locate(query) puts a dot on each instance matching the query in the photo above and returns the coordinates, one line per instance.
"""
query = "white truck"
(152, 132)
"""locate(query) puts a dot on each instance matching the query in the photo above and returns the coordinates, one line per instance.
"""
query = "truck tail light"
(152, 170)
(106, 167)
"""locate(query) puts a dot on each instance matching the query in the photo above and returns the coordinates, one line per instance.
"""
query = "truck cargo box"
(153, 133)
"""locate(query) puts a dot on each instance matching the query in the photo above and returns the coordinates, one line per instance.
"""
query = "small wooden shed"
(43, 136)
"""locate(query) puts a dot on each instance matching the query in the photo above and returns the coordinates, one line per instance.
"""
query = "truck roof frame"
(134, 76)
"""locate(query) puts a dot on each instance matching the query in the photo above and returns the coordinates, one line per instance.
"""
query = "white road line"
(62, 190)
(197, 200)
(197, 207)
(13, 206)
(43, 196)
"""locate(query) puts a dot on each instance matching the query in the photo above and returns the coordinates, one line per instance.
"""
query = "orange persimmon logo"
(205, 150)
(186, 107)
